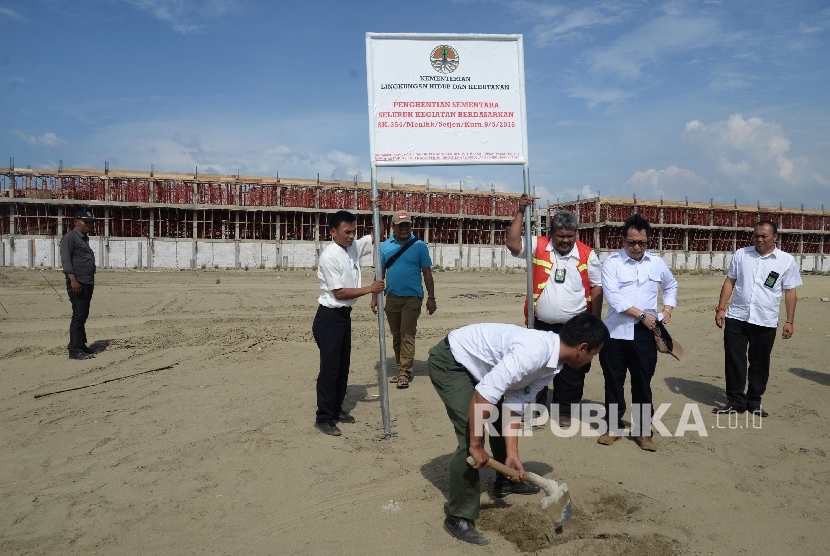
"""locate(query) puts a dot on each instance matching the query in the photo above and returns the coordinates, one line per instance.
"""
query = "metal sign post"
(383, 379)
(444, 100)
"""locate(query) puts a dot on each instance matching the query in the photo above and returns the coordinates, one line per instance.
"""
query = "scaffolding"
(697, 227)
(217, 207)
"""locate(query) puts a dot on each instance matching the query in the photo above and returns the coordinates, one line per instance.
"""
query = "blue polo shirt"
(404, 277)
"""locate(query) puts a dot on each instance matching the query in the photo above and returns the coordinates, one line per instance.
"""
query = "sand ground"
(215, 453)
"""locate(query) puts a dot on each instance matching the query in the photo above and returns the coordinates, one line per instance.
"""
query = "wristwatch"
(642, 316)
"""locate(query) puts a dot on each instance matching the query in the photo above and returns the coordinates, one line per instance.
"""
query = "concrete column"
(106, 189)
(236, 225)
(11, 184)
(194, 256)
(106, 249)
(152, 191)
(492, 232)
(12, 220)
(59, 231)
(140, 253)
(53, 247)
(426, 229)
(152, 232)
(30, 252)
(460, 240)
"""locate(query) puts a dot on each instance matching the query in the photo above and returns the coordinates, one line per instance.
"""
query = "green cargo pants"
(455, 386)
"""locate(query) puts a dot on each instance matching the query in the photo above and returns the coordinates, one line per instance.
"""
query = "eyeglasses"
(632, 243)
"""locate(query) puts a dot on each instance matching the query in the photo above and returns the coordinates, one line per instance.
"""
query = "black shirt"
(77, 257)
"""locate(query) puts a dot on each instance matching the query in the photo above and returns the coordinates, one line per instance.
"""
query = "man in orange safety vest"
(567, 281)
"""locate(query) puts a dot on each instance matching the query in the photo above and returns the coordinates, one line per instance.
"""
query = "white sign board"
(446, 99)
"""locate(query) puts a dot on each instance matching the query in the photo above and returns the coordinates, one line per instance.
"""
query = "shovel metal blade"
(560, 509)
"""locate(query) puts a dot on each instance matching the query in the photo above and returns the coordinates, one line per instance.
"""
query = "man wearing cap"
(758, 275)
(567, 281)
(490, 372)
(78, 262)
(404, 258)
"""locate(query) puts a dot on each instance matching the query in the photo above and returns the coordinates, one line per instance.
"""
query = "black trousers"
(80, 312)
(638, 357)
(568, 384)
(737, 336)
(332, 330)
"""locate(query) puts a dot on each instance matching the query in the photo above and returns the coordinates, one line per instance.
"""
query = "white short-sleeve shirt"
(339, 268)
(507, 360)
(759, 283)
(560, 302)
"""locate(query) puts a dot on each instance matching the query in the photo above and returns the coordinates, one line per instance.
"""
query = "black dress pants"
(638, 357)
(80, 312)
(737, 336)
(568, 384)
(332, 330)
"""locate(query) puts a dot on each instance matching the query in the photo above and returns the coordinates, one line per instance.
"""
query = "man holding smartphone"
(757, 275)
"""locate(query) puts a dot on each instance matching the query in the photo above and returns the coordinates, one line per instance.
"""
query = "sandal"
(394, 379)
(403, 382)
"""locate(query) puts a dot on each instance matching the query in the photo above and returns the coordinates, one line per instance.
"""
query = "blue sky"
(681, 98)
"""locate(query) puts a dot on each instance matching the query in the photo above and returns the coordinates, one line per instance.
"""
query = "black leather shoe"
(344, 417)
(503, 487)
(727, 409)
(464, 530)
(87, 350)
(328, 427)
(79, 355)
(759, 411)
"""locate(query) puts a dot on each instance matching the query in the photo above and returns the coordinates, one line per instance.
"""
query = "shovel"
(557, 500)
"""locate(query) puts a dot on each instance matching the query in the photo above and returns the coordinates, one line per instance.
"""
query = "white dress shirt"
(507, 360)
(752, 300)
(559, 303)
(340, 268)
(627, 283)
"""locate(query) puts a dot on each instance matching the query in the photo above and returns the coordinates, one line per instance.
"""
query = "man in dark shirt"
(79, 267)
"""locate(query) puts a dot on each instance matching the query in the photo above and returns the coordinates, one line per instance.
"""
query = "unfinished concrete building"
(174, 220)
(702, 236)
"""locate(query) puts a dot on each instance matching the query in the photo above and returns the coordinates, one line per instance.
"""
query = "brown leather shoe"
(564, 421)
(607, 439)
(646, 443)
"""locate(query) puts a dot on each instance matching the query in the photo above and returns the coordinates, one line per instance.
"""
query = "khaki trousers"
(402, 314)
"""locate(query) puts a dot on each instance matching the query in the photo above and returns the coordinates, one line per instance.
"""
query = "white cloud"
(564, 195)
(46, 140)
(672, 183)
(595, 97)
(746, 147)
(663, 36)
(346, 166)
(8, 12)
(559, 23)
(754, 156)
(185, 16)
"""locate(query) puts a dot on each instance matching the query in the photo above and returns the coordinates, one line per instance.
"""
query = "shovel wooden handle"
(496, 466)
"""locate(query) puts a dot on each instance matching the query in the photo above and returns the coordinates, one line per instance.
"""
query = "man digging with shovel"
(480, 369)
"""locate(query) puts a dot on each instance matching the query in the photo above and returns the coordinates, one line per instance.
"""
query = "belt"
(346, 309)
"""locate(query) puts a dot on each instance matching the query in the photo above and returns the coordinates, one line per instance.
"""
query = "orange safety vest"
(543, 264)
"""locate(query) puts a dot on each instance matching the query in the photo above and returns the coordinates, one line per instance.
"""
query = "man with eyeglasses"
(758, 275)
(630, 281)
